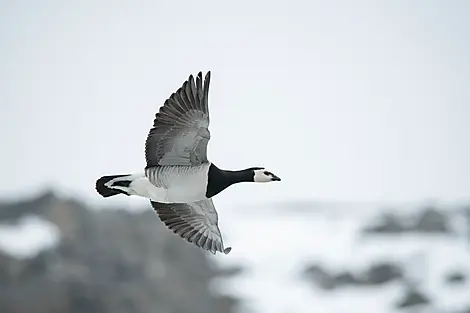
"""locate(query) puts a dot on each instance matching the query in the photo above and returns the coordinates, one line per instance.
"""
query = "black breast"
(217, 180)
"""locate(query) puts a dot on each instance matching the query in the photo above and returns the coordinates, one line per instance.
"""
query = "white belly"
(173, 184)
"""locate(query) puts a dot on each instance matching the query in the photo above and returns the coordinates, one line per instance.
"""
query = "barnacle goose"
(179, 180)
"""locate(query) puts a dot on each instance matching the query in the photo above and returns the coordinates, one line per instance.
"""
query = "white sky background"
(369, 101)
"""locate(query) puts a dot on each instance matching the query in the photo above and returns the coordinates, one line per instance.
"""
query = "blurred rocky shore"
(113, 260)
(106, 261)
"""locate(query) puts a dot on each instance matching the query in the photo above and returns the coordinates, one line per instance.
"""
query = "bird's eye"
(268, 173)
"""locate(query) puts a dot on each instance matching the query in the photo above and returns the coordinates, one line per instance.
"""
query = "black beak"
(275, 178)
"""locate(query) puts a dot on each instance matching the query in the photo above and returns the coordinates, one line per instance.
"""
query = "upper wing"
(196, 222)
(180, 132)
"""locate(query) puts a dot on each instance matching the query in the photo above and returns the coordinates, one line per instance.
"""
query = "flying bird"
(179, 179)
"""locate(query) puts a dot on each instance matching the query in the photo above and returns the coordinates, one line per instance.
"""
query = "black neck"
(239, 176)
(218, 179)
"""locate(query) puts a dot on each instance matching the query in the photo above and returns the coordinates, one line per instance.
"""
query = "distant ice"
(28, 236)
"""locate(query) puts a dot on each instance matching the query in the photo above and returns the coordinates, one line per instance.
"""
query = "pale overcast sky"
(369, 101)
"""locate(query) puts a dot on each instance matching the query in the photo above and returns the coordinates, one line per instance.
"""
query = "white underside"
(175, 193)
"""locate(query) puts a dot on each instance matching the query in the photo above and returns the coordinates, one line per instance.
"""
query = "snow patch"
(28, 236)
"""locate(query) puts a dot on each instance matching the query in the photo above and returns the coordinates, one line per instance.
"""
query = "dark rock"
(466, 213)
(456, 278)
(389, 224)
(380, 274)
(346, 278)
(12, 211)
(429, 220)
(413, 297)
(377, 274)
(432, 221)
(465, 310)
(224, 302)
(320, 277)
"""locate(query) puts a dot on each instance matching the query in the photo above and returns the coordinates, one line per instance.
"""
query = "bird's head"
(262, 175)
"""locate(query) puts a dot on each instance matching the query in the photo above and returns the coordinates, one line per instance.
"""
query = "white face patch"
(261, 177)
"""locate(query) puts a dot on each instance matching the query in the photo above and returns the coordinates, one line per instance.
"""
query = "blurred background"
(361, 107)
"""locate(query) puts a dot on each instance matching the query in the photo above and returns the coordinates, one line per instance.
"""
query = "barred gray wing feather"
(180, 131)
(196, 222)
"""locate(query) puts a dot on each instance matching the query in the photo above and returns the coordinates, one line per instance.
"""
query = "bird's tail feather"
(106, 188)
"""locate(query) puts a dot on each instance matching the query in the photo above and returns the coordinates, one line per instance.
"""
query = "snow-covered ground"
(276, 248)
(28, 236)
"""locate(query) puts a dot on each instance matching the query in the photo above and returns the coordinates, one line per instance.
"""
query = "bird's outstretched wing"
(180, 131)
(196, 222)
